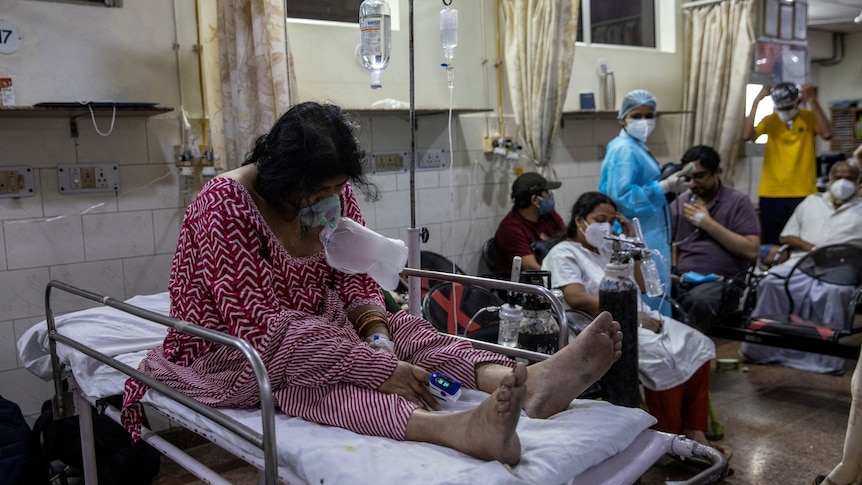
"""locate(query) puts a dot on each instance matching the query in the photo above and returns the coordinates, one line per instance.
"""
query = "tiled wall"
(121, 244)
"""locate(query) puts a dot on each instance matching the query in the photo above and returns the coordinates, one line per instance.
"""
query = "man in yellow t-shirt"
(789, 160)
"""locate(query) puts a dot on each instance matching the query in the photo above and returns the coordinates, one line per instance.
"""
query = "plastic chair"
(486, 263)
(470, 310)
(542, 247)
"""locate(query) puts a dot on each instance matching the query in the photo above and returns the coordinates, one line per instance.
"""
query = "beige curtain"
(540, 50)
(257, 78)
(719, 40)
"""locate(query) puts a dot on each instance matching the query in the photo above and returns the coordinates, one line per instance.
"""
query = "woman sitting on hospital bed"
(673, 358)
(250, 262)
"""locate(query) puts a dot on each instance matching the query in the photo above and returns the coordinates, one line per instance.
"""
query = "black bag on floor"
(20, 460)
(118, 460)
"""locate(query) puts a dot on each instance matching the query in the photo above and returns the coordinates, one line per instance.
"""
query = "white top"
(817, 221)
(665, 359)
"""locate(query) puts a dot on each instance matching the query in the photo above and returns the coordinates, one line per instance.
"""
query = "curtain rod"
(699, 3)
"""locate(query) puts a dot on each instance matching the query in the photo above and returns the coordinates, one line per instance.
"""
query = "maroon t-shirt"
(515, 234)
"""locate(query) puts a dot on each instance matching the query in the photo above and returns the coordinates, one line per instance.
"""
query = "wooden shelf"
(51, 112)
(418, 111)
(607, 114)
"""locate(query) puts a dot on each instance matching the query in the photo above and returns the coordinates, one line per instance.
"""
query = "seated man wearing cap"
(532, 219)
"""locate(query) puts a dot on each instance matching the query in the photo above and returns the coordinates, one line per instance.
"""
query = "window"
(764, 108)
(617, 22)
(332, 12)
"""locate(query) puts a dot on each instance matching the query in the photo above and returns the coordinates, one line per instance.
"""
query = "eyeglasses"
(700, 175)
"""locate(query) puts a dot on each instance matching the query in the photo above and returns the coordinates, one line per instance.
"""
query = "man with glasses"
(789, 171)
(716, 238)
(531, 219)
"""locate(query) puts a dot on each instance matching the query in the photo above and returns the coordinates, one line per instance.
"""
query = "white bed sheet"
(554, 450)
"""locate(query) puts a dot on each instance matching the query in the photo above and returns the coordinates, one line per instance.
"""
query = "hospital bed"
(94, 350)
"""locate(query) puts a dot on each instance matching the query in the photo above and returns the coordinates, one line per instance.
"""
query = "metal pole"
(414, 290)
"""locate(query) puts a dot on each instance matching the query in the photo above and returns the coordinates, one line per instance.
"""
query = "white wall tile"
(166, 226)
(126, 145)
(148, 187)
(147, 275)
(8, 353)
(101, 277)
(25, 389)
(43, 243)
(59, 203)
(393, 210)
(162, 135)
(23, 294)
(118, 235)
(40, 142)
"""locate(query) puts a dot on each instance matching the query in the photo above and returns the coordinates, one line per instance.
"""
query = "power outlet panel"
(390, 162)
(16, 182)
(431, 159)
(80, 178)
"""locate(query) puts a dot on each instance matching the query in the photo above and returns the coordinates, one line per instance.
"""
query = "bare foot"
(488, 430)
(553, 383)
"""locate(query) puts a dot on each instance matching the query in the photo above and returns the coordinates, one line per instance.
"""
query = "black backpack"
(20, 461)
(118, 460)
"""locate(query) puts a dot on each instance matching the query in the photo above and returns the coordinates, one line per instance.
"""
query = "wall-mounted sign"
(10, 39)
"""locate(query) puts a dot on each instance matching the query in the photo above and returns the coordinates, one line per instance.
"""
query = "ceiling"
(834, 15)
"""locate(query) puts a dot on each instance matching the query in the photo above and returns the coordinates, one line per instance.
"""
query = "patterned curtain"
(540, 50)
(719, 40)
(257, 78)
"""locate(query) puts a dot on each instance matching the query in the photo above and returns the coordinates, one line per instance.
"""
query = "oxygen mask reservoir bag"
(353, 248)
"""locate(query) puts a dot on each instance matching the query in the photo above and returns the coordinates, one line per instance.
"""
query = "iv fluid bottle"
(618, 294)
(375, 35)
(449, 32)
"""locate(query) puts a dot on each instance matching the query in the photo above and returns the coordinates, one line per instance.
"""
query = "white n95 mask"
(842, 190)
(324, 213)
(353, 248)
(595, 235)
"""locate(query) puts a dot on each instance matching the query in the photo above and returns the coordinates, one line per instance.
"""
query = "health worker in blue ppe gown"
(631, 176)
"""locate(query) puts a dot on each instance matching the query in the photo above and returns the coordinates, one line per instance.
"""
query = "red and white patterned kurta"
(230, 273)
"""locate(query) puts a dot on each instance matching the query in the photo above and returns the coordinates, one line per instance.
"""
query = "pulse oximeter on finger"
(444, 388)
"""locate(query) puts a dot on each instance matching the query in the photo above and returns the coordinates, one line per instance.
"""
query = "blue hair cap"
(638, 97)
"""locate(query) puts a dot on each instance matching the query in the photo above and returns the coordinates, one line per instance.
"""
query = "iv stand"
(413, 253)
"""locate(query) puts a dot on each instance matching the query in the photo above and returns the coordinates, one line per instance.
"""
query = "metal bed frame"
(650, 444)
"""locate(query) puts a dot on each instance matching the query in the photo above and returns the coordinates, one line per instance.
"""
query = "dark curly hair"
(586, 203)
(308, 145)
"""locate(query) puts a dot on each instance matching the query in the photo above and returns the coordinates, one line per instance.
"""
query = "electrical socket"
(389, 162)
(431, 159)
(16, 182)
(97, 177)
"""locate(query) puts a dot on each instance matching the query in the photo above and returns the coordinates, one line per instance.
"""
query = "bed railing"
(63, 406)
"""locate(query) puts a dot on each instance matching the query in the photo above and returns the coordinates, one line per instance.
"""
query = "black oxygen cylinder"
(618, 294)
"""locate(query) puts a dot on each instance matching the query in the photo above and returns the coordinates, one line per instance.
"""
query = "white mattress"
(554, 450)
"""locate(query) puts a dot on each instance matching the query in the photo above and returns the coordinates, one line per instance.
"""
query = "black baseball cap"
(531, 183)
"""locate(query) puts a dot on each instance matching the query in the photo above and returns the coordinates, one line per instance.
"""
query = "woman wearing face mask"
(631, 177)
(250, 262)
(673, 358)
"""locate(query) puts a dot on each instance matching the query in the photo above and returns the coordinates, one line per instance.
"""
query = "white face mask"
(324, 213)
(640, 129)
(786, 115)
(595, 235)
(842, 190)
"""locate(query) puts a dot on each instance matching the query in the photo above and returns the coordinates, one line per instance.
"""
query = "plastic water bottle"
(510, 323)
(652, 281)
(375, 35)
(449, 32)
